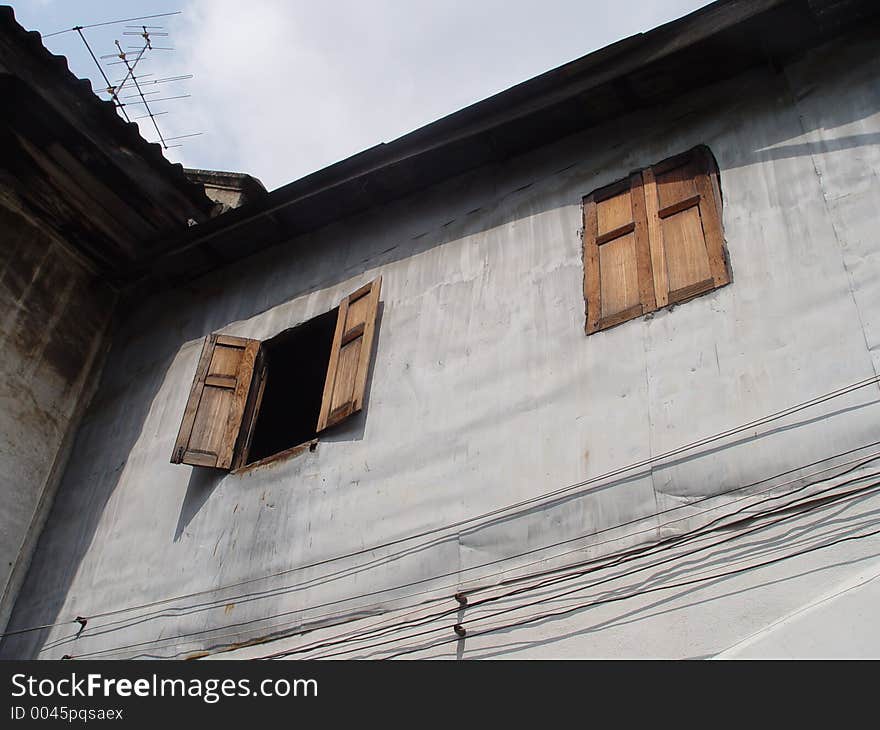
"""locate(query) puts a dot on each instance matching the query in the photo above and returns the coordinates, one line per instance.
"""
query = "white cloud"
(284, 88)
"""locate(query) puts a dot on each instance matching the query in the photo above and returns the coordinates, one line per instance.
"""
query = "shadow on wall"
(808, 149)
(202, 483)
(116, 417)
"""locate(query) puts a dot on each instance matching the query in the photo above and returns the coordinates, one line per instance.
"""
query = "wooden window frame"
(227, 420)
(646, 229)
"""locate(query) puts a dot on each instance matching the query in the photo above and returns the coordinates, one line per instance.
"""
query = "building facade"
(535, 455)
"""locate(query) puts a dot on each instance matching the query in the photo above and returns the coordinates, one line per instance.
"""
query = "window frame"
(646, 229)
(219, 434)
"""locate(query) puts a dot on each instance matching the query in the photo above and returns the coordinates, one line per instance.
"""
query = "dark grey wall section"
(54, 321)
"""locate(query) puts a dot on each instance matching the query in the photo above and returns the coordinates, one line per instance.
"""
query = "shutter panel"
(251, 411)
(617, 267)
(213, 415)
(350, 355)
(684, 223)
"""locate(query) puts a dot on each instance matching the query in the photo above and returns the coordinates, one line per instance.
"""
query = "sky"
(282, 88)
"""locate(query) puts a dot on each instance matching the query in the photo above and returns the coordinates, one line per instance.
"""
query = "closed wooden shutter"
(653, 239)
(617, 268)
(350, 355)
(213, 416)
(684, 223)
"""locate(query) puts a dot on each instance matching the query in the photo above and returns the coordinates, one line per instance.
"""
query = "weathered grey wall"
(54, 320)
(485, 392)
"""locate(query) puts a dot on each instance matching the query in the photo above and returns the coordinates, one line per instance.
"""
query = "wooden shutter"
(350, 355)
(684, 223)
(251, 411)
(213, 416)
(617, 267)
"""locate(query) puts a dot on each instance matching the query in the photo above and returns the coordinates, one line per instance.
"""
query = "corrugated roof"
(126, 132)
(713, 43)
(77, 170)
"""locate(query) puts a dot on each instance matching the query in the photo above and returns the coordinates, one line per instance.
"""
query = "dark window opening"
(296, 367)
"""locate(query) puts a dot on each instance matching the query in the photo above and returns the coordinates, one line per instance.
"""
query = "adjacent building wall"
(54, 323)
(485, 393)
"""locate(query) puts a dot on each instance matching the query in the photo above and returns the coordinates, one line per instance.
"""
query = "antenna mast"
(131, 60)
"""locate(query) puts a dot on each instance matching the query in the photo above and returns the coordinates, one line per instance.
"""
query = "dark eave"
(645, 70)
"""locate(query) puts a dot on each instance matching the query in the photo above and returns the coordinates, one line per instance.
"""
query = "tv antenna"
(132, 79)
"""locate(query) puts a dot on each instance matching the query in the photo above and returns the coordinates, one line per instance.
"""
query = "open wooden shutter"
(251, 411)
(684, 223)
(617, 267)
(213, 416)
(350, 355)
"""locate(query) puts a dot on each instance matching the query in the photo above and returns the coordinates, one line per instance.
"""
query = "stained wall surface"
(486, 396)
(54, 321)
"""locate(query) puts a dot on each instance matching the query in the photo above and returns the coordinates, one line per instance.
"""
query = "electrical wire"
(519, 567)
(558, 596)
(109, 22)
(622, 558)
(493, 513)
(243, 599)
(613, 599)
(693, 535)
(858, 463)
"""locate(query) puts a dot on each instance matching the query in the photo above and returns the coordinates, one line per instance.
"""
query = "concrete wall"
(485, 393)
(54, 322)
